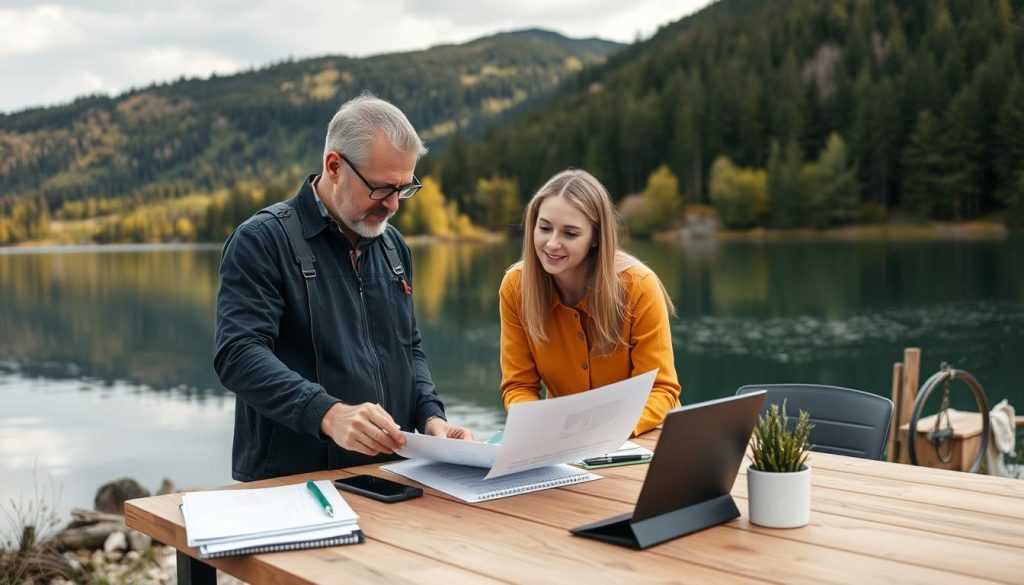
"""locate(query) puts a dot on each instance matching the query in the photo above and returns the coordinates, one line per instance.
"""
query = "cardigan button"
(579, 334)
(584, 366)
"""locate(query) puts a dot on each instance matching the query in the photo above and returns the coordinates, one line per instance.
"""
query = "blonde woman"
(578, 313)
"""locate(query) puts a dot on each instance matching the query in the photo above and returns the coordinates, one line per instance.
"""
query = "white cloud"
(54, 52)
(168, 62)
(36, 29)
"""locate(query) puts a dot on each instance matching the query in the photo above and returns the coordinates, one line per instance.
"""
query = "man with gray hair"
(316, 334)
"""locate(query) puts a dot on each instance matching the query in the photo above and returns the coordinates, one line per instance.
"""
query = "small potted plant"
(779, 479)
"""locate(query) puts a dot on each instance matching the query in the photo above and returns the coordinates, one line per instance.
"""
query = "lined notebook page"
(468, 484)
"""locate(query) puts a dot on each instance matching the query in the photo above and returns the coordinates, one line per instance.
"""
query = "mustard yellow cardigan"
(564, 362)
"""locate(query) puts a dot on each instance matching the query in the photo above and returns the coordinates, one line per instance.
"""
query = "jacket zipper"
(356, 266)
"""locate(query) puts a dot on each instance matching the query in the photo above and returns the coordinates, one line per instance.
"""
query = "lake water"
(105, 354)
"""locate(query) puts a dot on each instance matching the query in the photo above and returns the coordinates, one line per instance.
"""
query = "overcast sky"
(52, 52)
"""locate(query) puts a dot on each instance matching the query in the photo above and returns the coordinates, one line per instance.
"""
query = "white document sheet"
(570, 428)
(447, 450)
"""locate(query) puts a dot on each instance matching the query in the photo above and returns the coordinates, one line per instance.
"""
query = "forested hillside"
(803, 112)
(777, 113)
(196, 151)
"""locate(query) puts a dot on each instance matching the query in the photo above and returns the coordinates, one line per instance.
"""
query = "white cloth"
(1002, 420)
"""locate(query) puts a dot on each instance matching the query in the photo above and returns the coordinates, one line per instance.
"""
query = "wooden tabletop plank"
(983, 484)
(997, 505)
(976, 526)
(733, 546)
(924, 548)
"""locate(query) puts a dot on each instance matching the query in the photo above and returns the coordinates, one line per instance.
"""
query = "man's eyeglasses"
(379, 193)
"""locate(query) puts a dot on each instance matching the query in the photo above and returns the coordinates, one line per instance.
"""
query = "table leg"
(195, 572)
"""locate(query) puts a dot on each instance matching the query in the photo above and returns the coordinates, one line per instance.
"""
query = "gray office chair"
(846, 422)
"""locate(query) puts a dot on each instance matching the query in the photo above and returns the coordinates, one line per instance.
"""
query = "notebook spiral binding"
(353, 538)
(533, 487)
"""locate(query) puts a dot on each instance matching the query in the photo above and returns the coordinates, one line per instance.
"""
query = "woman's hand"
(439, 427)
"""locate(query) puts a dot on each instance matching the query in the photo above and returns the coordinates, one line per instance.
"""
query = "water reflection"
(141, 317)
(105, 356)
(841, 312)
(456, 299)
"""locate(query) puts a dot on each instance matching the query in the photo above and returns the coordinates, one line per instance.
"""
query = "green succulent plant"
(777, 448)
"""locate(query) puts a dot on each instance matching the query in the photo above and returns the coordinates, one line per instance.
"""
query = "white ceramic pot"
(779, 500)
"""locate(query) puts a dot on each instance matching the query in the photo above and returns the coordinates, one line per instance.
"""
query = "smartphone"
(378, 488)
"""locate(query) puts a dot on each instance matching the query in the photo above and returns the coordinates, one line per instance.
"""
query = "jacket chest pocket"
(400, 307)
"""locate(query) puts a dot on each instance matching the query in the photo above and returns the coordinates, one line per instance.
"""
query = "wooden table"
(871, 522)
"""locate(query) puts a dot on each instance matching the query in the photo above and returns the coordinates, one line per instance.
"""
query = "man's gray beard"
(368, 231)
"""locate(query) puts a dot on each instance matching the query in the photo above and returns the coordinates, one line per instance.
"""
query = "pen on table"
(319, 495)
(615, 459)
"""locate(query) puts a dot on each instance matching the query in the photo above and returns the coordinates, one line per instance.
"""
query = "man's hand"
(439, 427)
(364, 428)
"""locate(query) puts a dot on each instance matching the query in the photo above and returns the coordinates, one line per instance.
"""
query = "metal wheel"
(942, 438)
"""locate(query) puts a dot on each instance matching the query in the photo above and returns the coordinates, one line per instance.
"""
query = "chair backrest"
(846, 421)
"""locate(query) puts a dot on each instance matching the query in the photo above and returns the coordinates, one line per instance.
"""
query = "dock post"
(897, 401)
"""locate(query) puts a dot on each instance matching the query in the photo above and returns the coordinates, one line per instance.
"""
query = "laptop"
(689, 479)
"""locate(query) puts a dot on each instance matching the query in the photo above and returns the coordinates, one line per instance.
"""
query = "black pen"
(615, 459)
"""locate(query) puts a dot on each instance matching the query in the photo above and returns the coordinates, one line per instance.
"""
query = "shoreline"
(45, 246)
(968, 230)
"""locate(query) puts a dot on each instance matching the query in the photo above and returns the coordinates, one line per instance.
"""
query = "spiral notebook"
(247, 521)
(468, 483)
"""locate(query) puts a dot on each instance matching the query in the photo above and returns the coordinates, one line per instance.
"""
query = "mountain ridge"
(171, 138)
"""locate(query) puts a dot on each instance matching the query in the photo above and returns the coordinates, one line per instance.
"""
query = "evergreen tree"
(1009, 159)
(786, 188)
(457, 173)
(964, 151)
(833, 190)
(498, 197)
(685, 157)
(878, 137)
(925, 164)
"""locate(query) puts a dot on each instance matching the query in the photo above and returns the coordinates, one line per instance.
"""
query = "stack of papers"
(246, 521)
(539, 440)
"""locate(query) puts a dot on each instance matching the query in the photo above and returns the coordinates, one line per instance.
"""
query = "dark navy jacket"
(369, 344)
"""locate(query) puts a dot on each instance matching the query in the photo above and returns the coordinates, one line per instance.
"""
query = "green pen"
(319, 495)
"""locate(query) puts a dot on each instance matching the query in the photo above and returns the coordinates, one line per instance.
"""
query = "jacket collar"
(313, 219)
(309, 212)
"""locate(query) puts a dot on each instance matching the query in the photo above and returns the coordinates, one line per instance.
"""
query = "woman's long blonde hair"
(605, 291)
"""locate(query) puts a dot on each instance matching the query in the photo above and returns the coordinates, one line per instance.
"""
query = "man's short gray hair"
(359, 120)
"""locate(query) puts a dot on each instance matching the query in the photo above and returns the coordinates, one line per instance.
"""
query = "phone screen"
(377, 485)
